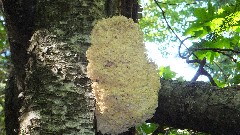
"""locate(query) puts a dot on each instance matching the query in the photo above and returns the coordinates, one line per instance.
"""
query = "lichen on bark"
(54, 88)
(57, 92)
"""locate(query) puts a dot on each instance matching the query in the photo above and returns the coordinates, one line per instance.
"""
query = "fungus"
(124, 82)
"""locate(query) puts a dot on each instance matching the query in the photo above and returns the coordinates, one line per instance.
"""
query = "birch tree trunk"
(48, 92)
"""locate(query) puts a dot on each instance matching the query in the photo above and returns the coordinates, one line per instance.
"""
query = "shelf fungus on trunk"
(125, 83)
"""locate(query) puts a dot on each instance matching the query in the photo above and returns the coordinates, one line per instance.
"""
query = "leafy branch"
(202, 63)
(222, 51)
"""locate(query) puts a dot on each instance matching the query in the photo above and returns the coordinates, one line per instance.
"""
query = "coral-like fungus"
(125, 83)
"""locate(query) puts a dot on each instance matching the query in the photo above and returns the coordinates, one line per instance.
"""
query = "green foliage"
(154, 27)
(236, 79)
(209, 20)
(149, 128)
(4, 69)
(217, 31)
(167, 73)
(214, 26)
(4, 52)
(146, 128)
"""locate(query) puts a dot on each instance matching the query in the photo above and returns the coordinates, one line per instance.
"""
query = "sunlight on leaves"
(167, 73)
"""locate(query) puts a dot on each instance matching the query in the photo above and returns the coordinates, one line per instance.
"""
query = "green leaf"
(212, 57)
(216, 23)
(200, 14)
(238, 66)
(236, 79)
(210, 9)
(198, 33)
(147, 128)
(238, 29)
(201, 54)
(220, 84)
(166, 72)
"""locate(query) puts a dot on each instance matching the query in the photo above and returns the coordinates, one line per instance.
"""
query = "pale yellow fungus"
(125, 83)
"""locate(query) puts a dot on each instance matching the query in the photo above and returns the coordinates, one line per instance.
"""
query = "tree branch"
(201, 70)
(180, 46)
(219, 50)
(171, 29)
(198, 106)
(165, 19)
(176, 4)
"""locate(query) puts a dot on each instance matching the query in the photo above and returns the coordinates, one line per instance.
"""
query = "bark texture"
(20, 22)
(199, 106)
(127, 8)
(48, 92)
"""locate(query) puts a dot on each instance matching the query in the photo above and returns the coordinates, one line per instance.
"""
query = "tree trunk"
(48, 91)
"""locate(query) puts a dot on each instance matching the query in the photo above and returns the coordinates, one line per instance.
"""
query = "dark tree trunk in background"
(48, 91)
(20, 22)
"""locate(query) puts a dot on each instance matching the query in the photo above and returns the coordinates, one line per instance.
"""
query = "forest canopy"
(206, 33)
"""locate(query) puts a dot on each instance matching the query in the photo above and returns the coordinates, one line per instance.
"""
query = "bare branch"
(179, 49)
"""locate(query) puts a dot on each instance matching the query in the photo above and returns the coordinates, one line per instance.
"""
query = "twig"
(175, 4)
(217, 49)
(180, 46)
(222, 51)
(221, 70)
(202, 71)
(164, 17)
(168, 25)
